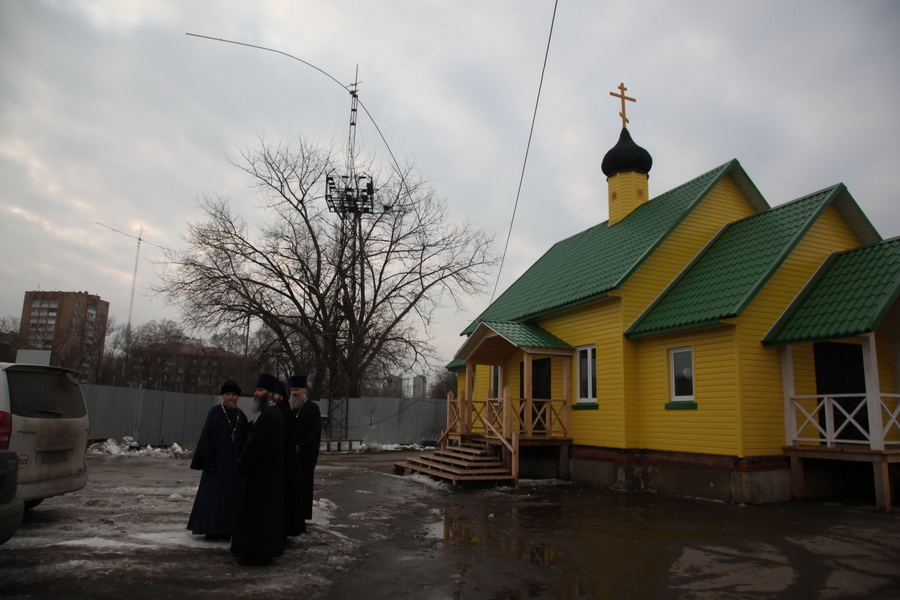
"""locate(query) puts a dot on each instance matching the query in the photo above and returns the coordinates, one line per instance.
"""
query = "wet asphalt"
(379, 535)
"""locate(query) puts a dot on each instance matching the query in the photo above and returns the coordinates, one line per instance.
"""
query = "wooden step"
(455, 478)
(463, 449)
(455, 467)
(463, 461)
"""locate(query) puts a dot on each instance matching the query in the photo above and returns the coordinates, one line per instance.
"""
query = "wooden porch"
(484, 438)
(862, 427)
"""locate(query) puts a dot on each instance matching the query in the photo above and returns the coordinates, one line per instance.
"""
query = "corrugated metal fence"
(163, 418)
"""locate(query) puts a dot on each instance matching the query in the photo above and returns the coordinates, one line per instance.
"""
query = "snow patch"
(129, 448)
(98, 542)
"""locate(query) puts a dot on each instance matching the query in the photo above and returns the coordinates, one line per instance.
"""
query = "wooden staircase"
(471, 460)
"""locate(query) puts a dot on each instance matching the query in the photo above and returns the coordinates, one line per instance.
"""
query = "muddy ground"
(377, 535)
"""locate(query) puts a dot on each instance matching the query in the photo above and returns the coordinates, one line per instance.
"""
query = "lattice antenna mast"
(350, 196)
(353, 194)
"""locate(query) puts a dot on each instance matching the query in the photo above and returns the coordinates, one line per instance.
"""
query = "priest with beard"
(308, 435)
(220, 445)
(258, 535)
(293, 523)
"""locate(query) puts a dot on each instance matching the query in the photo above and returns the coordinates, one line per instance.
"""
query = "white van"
(44, 420)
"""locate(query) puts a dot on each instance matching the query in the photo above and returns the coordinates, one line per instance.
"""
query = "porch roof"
(850, 295)
(493, 338)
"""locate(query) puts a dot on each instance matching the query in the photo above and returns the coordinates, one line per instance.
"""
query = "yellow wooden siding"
(710, 428)
(761, 396)
(642, 395)
(597, 324)
(724, 203)
(887, 377)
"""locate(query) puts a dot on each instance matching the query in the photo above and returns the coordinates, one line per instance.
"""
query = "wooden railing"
(507, 420)
(843, 419)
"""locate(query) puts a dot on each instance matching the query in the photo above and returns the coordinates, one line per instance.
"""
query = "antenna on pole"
(137, 256)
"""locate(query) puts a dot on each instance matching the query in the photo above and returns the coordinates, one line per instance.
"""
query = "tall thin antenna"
(351, 137)
(137, 256)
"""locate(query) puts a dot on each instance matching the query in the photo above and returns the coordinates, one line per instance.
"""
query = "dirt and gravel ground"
(377, 535)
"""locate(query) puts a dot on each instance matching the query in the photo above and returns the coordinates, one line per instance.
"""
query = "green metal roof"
(589, 264)
(456, 365)
(519, 335)
(722, 280)
(526, 335)
(850, 295)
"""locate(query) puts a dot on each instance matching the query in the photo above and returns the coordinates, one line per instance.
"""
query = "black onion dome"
(626, 156)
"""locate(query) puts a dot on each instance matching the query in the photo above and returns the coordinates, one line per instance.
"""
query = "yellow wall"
(712, 427)
(762, 400)
(597, 324)
(724, 203)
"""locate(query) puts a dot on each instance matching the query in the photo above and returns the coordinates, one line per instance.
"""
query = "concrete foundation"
(720, 478)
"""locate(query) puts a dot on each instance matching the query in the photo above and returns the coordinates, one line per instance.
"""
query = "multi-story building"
(72, 325)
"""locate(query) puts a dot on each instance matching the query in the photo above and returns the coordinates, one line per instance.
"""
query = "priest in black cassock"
(308, 431)
(220, 445)
(293, 521)
(259, 524)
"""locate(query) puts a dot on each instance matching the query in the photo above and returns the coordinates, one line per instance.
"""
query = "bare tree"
(10, 338)
(444, 382)
(341, 293)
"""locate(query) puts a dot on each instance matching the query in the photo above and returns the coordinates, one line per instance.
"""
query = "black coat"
(217, 455)
(308, 428)
(259, 524)
(293, 519)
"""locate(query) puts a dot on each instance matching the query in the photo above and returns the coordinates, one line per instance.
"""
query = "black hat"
(231, 386)
(281, 390)
(267, 382)
(298, 381)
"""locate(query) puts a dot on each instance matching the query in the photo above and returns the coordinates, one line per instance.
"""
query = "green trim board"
(731, 270)
(601, 258)
(849, 295)
(681, 405)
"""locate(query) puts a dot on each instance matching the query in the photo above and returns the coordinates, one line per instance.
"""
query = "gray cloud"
(112, 114)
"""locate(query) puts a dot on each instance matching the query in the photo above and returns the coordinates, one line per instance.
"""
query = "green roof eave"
(776, 264)
(649, 321)
(828, 307)
(648, 226)
(553, 311)
(732, 167)
(679, 328)
(456, 365)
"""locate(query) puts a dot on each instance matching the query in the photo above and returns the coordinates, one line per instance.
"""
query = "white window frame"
(592, 370)
(682, 398)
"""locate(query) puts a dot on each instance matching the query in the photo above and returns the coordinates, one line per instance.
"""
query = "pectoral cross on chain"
(621, 94)
(233, 435)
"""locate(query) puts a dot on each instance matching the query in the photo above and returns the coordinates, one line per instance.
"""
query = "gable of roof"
(849, 295)
(589, 264)
(728, 273)
(509, 334)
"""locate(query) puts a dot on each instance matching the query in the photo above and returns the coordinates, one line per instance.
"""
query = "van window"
(44, 395)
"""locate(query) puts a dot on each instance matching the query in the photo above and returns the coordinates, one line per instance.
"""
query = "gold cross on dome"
(621, 94)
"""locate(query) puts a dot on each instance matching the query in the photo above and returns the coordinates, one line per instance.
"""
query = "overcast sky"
(109, 113)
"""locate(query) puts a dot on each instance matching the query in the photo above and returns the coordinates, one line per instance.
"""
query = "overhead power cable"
(537, 102)
(348, 88)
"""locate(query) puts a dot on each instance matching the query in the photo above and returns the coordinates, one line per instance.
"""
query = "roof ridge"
(586, 265)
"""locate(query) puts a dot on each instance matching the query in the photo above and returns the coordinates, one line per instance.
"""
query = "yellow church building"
(700, 343)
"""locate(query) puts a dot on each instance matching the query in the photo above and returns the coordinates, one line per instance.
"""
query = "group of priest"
(256, 487)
